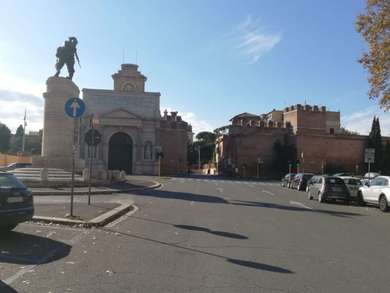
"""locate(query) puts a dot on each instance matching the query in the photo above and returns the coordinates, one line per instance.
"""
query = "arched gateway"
(120, 152)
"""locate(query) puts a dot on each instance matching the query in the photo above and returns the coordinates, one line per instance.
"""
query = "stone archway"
(120, 152)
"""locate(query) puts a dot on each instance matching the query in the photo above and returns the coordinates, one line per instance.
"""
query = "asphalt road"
(207, 236)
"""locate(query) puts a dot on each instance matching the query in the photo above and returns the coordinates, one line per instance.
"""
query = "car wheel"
(360, 199)
(383, 205)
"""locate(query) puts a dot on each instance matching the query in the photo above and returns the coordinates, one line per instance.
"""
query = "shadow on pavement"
(258, 266)
(249, 264)
(219, 233)
(21, 248)
(4, 288)
(291, 208)
(195, 228)
(181, 196)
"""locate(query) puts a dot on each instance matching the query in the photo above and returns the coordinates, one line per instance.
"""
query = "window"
(331, 131)
(376, 182)
(385, 182)
(148, 151)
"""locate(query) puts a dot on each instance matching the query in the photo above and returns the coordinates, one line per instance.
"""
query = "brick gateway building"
(246, 145)
(129, 120)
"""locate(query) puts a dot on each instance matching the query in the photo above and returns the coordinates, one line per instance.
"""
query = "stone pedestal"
(57, 142)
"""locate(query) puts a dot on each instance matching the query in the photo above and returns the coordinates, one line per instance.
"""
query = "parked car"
(353, 184)
(14, 166)
(343, 174)
(376, 192)
(300, 181)
(369, 176)
(327, 188)
(16, 202)
(286, 180)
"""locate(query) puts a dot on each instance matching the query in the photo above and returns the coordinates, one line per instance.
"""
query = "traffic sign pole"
(91, 154)
(74, 108)
(73, 169)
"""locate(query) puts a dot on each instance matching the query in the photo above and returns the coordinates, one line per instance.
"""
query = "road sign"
(74, 107)
(93, 137)
(369, 155)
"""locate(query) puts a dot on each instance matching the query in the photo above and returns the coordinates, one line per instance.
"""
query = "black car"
(16, 202)
(300, 181)
(14, 166)
(327, 188)
(286, 180)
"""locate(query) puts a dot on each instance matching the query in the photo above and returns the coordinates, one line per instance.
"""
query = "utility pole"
(199, 165)
(24, 131)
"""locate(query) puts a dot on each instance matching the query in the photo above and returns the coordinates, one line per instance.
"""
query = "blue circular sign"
(74, 107)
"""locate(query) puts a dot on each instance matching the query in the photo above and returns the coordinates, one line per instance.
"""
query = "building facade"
(132, 129)
(248, 146)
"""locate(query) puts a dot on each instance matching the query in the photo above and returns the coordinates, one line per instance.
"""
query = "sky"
(210, 60)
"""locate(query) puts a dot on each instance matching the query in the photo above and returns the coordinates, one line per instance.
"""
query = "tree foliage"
(284, 153)
(374, 26)
(375, 141)
(5, 137)
(206, 143)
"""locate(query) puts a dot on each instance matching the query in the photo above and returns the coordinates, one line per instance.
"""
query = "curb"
(102, 192)
(99, 221)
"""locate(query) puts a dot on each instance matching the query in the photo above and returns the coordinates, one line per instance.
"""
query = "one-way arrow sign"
(74, 107)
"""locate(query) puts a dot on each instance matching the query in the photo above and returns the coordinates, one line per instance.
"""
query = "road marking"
(44, 259)
(220, 189)
(297, 203)
(268, 192)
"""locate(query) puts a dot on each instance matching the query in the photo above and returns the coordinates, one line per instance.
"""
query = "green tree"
(5, 137)
(375, 142)
(205, 141)
(206, 137)
(284, 153)
(17, 140)
(386, 159)
(374, 26)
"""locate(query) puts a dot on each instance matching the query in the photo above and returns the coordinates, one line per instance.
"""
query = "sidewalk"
(84, 215)
(132, 184)
(82, 211)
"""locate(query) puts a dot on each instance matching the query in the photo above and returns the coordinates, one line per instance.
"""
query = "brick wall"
(174, 140)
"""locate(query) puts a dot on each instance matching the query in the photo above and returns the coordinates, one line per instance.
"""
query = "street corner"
(84, 215)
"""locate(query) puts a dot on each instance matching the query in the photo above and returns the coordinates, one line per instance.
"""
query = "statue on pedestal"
(66, 55)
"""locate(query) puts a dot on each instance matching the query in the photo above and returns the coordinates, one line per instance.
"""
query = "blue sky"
(209, 59)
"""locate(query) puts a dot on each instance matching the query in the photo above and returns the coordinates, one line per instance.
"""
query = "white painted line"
(220, 189)
(268, 192)
(297, 203)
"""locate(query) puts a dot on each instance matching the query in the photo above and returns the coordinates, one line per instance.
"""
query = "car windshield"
(10, 181)
(334, 181)
(355, 182)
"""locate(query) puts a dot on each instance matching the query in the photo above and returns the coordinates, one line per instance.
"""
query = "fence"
(6, 159)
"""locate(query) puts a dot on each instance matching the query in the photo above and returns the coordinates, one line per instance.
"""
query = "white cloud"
(254, 41)
(361, 121)
(20, 85)
(197, 124)
(13, 105)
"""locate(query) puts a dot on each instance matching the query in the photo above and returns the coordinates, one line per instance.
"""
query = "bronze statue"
(66, 55)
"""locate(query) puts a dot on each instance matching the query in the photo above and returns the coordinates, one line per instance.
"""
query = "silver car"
(353, 185)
